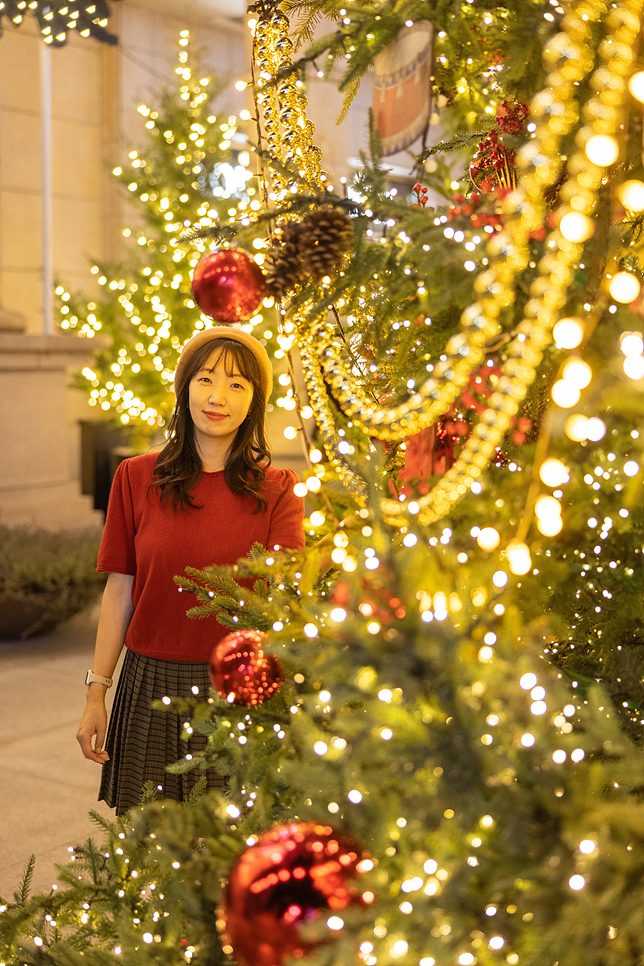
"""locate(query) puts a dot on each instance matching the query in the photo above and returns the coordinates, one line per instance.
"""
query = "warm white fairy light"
(577, 427)
(553, 473)
(587, 846)
(568, 333)
(596, 429)
(488, 538)
(576, 227)
(602, 150)
(565, 394)
(577, 373)
(519, 559)
(632, 344)
(624, 287)
(631, 195)
(634, 367)
(636, 85)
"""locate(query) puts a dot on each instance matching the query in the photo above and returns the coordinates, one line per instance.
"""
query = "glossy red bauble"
(228, 286)
(241, 672)
(292, 873)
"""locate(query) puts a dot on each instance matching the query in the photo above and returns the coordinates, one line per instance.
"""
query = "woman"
(205, 499)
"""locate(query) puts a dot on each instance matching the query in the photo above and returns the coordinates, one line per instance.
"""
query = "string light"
(568, 333)
(624, 287)
(602, 150)
(631, 195)
(57, 19)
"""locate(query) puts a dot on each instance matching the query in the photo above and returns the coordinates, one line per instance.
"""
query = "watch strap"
(91, 678)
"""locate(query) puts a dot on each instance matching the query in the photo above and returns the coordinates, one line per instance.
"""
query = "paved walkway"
(46, 786)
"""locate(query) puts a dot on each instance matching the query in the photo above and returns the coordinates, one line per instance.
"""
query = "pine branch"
(460, 141)
(22, 893)
(100, 820)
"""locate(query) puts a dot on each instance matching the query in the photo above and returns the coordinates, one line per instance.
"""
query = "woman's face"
(219, 401)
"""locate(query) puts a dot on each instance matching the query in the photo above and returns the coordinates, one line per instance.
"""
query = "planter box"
(22, 617)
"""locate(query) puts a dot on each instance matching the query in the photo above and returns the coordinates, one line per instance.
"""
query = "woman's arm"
(286, 529)
(115, 617)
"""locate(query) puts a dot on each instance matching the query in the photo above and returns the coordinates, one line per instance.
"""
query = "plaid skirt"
(141, 742)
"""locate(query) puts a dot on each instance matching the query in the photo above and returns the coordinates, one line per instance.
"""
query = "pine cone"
(283, 264)
(327, 236)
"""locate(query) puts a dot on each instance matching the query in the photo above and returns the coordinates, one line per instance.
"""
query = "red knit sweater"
(155, 543)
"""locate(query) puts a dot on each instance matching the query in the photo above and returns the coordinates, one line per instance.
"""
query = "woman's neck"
(213, 454)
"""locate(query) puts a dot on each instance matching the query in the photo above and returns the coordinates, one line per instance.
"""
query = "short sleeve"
(286, 529)
(116, 553)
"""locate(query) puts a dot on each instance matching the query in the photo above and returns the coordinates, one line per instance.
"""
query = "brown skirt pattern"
(141, 742)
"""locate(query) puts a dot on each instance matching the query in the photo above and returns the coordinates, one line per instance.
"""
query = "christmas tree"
(190, 175)
(430, 721)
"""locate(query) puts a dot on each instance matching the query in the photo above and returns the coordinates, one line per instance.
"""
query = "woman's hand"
(94, 725)
(116, 613)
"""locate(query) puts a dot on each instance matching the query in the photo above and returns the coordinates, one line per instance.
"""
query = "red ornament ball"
(241, 672)
(228, 286)
(288, 877)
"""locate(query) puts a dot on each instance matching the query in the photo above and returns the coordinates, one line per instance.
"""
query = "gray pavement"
(46, 786)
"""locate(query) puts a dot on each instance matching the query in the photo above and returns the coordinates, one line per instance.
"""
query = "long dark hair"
(179, 467)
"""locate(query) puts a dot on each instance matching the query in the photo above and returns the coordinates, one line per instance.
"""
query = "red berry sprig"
(421, 194)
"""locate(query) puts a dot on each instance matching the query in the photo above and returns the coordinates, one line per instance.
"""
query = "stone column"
(40, 450)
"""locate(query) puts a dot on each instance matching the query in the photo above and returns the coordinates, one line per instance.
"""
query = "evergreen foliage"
(45, 577)
(478, 730)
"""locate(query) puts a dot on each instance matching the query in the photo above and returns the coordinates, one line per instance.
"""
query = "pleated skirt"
(141, 742)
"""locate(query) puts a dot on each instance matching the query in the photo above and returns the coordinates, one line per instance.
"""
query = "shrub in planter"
(45, 577)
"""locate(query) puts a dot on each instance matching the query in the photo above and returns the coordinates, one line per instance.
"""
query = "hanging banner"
(402, 88)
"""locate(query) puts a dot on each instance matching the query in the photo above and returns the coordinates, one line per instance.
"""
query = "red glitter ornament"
(241, 672)
(291, 874)
(228, 286)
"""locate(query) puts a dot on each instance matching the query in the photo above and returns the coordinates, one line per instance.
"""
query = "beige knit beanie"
(227, 332)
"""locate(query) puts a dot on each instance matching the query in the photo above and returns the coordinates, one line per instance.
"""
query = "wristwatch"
(90, 678)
